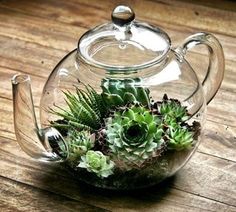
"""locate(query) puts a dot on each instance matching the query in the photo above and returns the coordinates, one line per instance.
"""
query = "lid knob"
(122, 15)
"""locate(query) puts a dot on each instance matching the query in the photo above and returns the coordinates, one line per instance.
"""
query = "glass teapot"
(124, 110)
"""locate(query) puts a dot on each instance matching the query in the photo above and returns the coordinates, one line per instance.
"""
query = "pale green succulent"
(134, 135)
(179, 139)
(78, 144)
(96, 162)
(121, 92)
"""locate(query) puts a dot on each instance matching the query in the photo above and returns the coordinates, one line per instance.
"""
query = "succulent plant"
(179, 139)
(134, 135)
(120, 92)
(78, 144)
(85, 111)
(179, 135)
(172, 108)
(96, 162)
(169, 121)
(174, 116)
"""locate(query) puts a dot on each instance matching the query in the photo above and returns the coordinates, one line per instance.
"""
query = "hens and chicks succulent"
(120, 128)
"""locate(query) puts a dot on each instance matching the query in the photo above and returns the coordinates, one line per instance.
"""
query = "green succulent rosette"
(78, 142)
(179, 139)
(134, 136)
(174, 116)
(172, 109)
(121, 92)
(98, 163)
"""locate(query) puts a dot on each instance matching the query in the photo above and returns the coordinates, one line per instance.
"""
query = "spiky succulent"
(179, 139)
(134, 135)
(96, 162)
(120, 92)
(85, 111)
(78, 144)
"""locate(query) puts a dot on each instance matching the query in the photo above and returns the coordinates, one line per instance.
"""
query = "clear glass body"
(173, 77)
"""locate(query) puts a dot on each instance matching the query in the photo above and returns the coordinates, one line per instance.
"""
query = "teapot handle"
(215, 71)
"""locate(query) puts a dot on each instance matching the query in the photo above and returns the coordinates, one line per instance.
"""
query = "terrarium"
(124, 109)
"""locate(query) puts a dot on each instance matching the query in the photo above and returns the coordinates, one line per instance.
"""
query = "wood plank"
(219, 4)
(212, 178)
(38, 30)
(17, 196)
(169, 10)
(165, 196)
(28, 57)
(28, 10)
(219, 141)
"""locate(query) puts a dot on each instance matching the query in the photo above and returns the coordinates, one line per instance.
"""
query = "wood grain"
(35, 35)
(22, 197)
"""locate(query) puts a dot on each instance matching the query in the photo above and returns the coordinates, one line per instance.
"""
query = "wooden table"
(34, 35)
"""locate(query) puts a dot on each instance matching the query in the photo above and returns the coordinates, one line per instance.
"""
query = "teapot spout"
(43, 144)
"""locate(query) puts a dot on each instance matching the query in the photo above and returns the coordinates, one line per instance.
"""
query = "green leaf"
(129, 113)
(143, 96)
(113, 99)
(129, 97)
(79, 126)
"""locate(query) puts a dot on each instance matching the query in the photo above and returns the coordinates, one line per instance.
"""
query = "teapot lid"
(124, 43)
